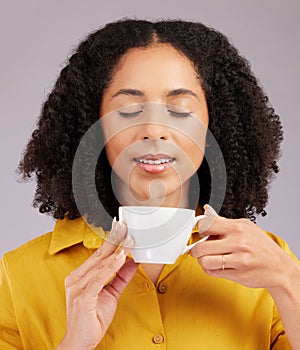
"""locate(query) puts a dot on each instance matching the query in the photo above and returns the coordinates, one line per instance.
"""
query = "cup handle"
(190, 246)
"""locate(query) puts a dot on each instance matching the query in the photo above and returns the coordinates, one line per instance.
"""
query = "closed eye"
(131, 114)
(179, 114)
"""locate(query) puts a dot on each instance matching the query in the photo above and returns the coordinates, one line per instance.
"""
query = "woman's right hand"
(91, 302)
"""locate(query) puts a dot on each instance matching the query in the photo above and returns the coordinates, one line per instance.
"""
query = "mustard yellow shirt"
(185, 310)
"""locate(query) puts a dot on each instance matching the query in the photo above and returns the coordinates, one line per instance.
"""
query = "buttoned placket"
(155, 299)
(148, 290)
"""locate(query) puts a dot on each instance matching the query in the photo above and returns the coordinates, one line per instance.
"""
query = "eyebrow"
(181, 91)
(139, 93)
(131, 92)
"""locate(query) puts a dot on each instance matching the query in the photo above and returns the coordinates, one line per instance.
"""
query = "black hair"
(241, 119)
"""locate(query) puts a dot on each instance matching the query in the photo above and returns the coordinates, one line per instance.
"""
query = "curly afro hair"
(241, 119)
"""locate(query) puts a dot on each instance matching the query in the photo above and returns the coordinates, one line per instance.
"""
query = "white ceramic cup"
(161, 234)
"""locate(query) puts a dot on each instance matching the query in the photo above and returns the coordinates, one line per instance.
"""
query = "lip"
(151, 156)
(162, 162)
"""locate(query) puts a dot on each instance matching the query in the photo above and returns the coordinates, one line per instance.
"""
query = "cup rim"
(148, 208)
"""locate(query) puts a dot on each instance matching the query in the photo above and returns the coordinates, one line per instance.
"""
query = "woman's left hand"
(243, 253)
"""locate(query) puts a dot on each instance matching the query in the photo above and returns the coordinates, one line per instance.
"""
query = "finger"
(209, 225)
(212, 247)
(210, 216)
(98, 275)
(215, 262)
(229, 274)
(123, 277)
(127, 244)
(224, 226)
(117, 234)
(92, 284)
(112, 265)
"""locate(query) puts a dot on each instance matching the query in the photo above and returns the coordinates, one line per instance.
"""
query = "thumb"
(211, 216)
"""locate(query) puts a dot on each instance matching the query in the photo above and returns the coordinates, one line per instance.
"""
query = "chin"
(157, 193)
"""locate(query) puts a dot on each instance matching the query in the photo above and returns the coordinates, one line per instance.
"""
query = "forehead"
(159, 62)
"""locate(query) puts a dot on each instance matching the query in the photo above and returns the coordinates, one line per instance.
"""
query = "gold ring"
(223, 262)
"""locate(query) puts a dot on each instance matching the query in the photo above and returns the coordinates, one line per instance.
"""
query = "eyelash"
(173, 113)
(179, 114)
(128, 115)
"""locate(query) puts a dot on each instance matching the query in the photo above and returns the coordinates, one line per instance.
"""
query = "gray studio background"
(38, 36)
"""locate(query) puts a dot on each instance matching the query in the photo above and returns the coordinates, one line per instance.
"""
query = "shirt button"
(158, 339)
(162, 288)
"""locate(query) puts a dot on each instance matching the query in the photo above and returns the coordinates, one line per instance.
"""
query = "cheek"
(120, 151)
(115, 147)
(190, 161)
(193, 149)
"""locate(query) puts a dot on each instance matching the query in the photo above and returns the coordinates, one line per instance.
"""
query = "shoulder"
(68, 239)
(66, 233)
(278, 240)
(31, 251)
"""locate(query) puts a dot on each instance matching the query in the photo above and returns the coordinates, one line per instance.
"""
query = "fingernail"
(209, 211)
(113, 224)
(120, 254)
(114, 235)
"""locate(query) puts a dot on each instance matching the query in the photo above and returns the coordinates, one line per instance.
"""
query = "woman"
(240, 289)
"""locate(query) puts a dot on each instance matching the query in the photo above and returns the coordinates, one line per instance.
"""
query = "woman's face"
(154, 117)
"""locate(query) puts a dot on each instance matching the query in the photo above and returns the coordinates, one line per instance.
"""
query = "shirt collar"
(67, 233)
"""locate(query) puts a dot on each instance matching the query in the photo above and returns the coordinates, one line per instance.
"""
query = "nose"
(154, 130)
(154, 124)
